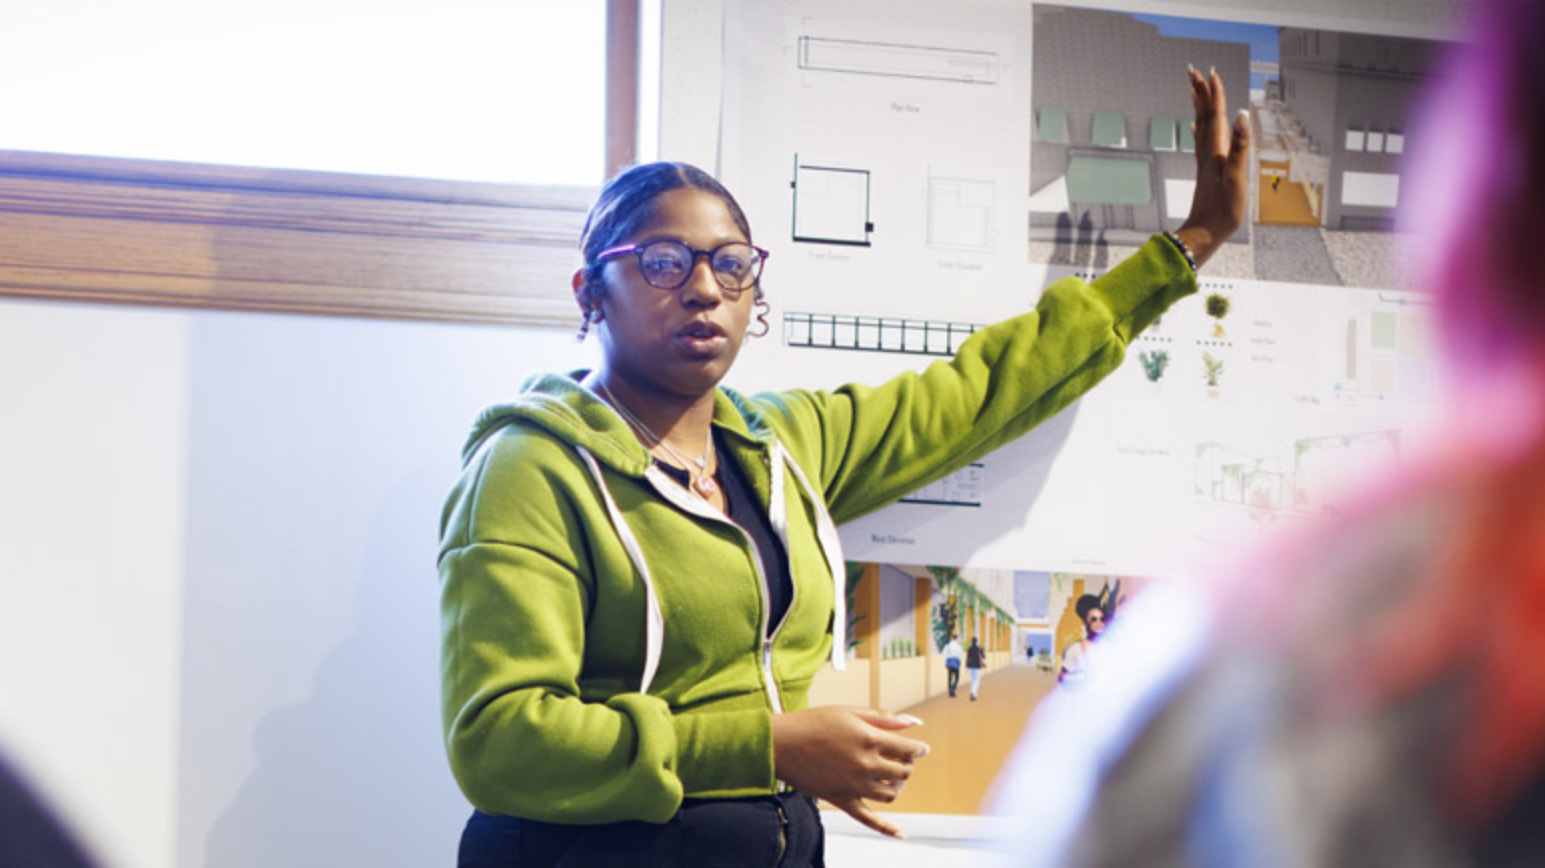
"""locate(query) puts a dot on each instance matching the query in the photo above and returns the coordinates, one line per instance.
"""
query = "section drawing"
(1306, 481)
(831, 205)
(875, 333)
(890, 60)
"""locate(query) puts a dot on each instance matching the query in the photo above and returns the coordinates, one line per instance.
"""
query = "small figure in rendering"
(952, 656)
(1093, 618)
(976, 659)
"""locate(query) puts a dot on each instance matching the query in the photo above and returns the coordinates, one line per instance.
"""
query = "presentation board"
(922, 170)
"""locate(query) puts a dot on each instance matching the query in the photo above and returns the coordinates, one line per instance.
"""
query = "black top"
(748, 515)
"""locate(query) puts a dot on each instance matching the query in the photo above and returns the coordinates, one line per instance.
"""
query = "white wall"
(218, 602)
(93, 433)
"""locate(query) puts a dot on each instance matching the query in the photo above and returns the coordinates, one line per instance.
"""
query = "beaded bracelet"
(1184, 250)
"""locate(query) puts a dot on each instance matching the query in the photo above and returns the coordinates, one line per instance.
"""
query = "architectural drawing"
(1386, 356)
(1300, 482)
(831, 205)
(961, 488)
(860, 57)
(1338, 116)
(874, 333)
(1112, 121)
(962, 213)
(1112, 155)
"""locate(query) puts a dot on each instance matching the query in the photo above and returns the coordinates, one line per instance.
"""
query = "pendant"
(705, 485)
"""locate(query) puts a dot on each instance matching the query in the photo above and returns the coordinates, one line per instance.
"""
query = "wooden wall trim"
(235, 238)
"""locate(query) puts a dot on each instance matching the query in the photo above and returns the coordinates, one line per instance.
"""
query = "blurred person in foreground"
(1371, 693)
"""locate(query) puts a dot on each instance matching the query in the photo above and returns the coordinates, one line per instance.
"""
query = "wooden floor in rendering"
(969, 741)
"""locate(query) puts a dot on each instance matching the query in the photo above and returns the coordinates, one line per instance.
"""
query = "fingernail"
(1190, 67)
(909, 720)
(1212, 71)
(926, 750)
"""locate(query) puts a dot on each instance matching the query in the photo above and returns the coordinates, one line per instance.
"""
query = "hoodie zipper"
(768, 681)
(692, 504)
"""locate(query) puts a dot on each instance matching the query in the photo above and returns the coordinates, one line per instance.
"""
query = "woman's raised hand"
(1222, 174)
(847, 756)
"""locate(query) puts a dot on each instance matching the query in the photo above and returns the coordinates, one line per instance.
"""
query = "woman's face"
(674, 341)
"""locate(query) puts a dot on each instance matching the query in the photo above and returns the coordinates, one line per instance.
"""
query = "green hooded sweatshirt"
(604, 647)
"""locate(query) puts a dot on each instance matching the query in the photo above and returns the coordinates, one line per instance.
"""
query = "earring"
(589, 317)
(762, 310)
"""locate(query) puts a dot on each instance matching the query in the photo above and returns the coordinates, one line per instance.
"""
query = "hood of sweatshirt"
(558, 404)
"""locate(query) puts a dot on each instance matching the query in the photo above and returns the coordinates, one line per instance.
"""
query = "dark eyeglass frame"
(719, 277)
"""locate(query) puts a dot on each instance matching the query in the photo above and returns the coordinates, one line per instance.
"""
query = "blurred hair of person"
(1371, 693)
(31, 834)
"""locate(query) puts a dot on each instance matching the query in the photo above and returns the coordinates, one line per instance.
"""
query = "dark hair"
(1086, 604)
(627, 202)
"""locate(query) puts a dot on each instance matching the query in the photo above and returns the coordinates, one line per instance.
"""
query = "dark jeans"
(765, 831)
(953, 680)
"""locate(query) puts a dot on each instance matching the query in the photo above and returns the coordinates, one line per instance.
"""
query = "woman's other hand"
(847, 756)
(1222, 173)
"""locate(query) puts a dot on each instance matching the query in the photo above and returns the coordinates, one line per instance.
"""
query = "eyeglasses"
(667, 263)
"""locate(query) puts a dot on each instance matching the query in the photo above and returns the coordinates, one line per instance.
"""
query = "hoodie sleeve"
(516, 589)
(873, 445)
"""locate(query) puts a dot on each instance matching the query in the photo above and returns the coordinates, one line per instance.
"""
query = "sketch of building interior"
(831, 205)
(1334, 121)
(936, 63)
(1306, 482)
(875, 333)
(1112, 158)
(961, 213)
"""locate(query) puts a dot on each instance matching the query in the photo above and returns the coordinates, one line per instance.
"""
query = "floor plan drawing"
(901, 61)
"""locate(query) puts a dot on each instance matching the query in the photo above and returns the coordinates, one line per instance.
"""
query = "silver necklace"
(702, 482)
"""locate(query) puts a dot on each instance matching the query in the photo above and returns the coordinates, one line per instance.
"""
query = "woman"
(640, 568)
(1372, 692)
